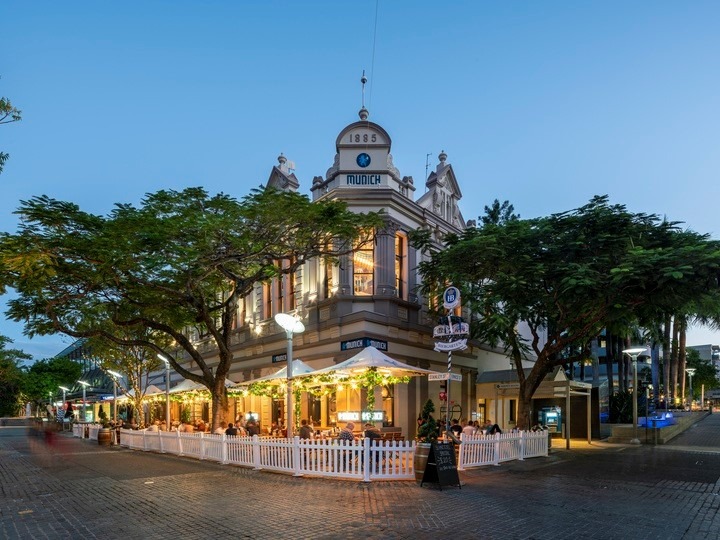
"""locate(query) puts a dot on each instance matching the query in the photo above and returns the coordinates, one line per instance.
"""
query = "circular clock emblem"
(363, 160)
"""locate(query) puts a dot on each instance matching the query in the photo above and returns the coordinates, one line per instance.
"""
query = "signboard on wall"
(361, 343)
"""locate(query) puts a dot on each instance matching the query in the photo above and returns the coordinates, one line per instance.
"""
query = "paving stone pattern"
(70, 488)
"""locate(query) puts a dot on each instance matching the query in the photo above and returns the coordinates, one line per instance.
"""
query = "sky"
(543, 104)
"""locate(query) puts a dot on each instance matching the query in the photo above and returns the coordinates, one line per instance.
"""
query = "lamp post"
(167, 390)
(634, 353)
(291, 325)
(64, 389)
(116, 376)
(690, 371)
(84, 387)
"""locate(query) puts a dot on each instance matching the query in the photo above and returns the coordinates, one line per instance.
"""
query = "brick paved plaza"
(70, 488)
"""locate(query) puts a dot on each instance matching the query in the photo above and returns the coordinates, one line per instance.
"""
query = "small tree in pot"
(426, 435)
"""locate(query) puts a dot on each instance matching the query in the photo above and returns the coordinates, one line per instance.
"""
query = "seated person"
(231, 430)
(346, 434)
(372, 432)
(470, 429)
(456, 428)
(220, 430)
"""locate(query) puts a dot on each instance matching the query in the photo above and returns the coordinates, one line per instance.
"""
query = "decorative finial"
(442, 156)
(363, 111)
(282, 159)
(363, 80)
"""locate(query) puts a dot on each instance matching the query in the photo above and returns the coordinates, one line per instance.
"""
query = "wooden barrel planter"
(422, 452)
(104, 436)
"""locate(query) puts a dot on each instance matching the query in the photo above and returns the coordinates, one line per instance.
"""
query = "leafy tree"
(567, 276)
(134, 362)
(8, 114)
(181, 261)
(497, 213)
(705, 374)
(45, 376)
(11, 377)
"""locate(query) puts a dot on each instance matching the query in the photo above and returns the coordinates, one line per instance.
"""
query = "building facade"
(370, 297)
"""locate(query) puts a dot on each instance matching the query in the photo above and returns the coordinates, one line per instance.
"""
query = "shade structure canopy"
(299, 368)
(368, 358)
(149, 391)
(188, 386)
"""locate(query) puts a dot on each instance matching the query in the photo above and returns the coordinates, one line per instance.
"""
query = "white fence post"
(521, 457)
(160, 440)
(224, 450)
(202, 445)
(297, 462)
(367, 463)
(180, 448)
(256, 452)
(461, 451)
(496, 451)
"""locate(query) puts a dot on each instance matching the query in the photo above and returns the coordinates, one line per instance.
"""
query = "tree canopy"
(181, 260)
(11, 377)
(8, 114)
(568, 276)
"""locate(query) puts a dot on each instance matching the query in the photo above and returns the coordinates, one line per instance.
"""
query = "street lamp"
(634, 353)
(291, 325)
(116, 376)
(64, 389)
(167, 390)
(690, 371)
(84, 386)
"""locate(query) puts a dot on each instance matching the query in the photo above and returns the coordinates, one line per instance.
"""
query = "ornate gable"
(443, 194)
(281, 176)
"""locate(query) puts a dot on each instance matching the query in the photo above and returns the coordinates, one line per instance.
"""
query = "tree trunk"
(628, 364)
(609, 357)
(681, 354)
(674, 359)
(667, 359)
(220, 405)
(622, 364)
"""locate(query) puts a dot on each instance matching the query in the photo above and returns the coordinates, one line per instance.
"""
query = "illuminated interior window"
(363, 268)
(400, 271)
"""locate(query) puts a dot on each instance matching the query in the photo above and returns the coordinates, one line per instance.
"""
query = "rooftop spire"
(363, 111)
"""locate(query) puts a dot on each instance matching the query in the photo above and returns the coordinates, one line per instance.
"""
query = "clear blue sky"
(544, 104)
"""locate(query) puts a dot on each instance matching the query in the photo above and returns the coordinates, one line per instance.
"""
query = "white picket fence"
(494, 449)
(387, 460)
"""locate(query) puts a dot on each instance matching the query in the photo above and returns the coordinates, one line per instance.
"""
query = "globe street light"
(167, 390)
(690, 371)
(291, 325)
(84, 386)
(116, 377)
(634, 353)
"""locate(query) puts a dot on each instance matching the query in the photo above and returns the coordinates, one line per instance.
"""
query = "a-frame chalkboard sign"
(441, 468)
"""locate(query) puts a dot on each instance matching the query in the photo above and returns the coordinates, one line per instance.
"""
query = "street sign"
(451, 298)
(512, 386)
(445, 346)
(444, 376)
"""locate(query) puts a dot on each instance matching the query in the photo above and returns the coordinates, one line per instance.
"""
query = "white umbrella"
(299, 368)
(368, 358)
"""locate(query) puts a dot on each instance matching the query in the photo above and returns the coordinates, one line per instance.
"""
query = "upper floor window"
(363, 270)
(400, 266)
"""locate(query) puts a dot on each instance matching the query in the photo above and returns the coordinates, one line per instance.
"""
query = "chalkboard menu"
(441, 467)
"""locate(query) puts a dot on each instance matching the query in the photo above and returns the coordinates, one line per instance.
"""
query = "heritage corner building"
(368, 299)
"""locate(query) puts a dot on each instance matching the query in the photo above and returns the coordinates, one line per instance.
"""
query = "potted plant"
(427, 434)
(104, 433)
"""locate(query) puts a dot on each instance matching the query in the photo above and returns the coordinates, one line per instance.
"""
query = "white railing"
(494, 449)
(388, 460)
(85, 430)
